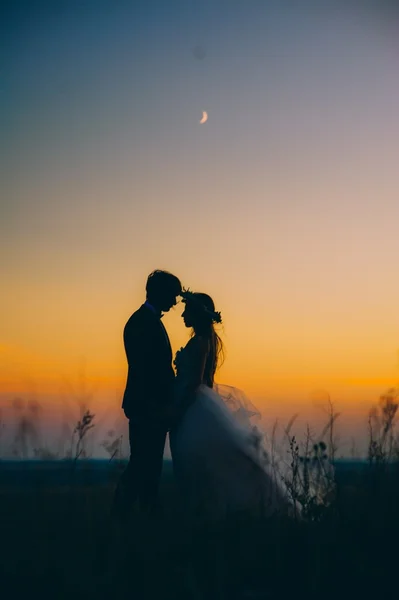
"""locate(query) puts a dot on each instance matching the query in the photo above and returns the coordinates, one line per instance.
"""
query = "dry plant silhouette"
(83, 398)
(80, 432)
(27, 420)
(383, 437)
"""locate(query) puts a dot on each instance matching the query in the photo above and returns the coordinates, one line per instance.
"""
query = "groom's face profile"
(167, 302)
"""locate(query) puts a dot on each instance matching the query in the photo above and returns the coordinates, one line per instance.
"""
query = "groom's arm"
(145, 387)
(142, 344)
(137, 345)
(148, 361)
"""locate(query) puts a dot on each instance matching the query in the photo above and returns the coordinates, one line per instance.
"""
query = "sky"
(283, 206)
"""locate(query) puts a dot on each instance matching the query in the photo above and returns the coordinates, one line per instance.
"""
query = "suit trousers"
(142, 475)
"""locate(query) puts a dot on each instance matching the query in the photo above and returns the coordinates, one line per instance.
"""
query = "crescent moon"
(204, 117)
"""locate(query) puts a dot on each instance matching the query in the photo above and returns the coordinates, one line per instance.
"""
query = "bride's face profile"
(187, 316)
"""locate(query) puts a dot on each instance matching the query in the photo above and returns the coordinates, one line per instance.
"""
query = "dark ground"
(57, 541)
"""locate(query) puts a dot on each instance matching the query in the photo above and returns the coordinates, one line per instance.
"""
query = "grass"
(58, 541)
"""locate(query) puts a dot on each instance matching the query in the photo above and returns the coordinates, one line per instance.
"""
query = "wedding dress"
(221, 463)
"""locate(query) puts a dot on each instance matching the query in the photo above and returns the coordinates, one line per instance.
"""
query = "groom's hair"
(161, 282)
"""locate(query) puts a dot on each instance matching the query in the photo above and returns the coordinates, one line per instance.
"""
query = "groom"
(148, 395)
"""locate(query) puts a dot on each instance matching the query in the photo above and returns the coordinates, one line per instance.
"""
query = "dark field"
(57, 541)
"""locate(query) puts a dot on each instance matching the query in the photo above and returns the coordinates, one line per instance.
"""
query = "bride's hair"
(203, 313)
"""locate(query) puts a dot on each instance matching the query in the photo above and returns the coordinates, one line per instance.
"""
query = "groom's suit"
(146, 402)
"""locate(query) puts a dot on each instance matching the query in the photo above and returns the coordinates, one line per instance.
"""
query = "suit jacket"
(150, 378)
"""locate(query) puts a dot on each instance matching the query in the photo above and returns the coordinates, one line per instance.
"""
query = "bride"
(220, 464)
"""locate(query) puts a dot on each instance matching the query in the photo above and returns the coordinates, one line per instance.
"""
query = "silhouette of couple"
(216, 460)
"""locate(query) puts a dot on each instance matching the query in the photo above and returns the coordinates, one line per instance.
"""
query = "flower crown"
(190, 296)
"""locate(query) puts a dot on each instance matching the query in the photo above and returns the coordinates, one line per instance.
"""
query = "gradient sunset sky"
(284, 206)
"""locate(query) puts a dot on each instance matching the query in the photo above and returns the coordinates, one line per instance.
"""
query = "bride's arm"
(198, 350)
